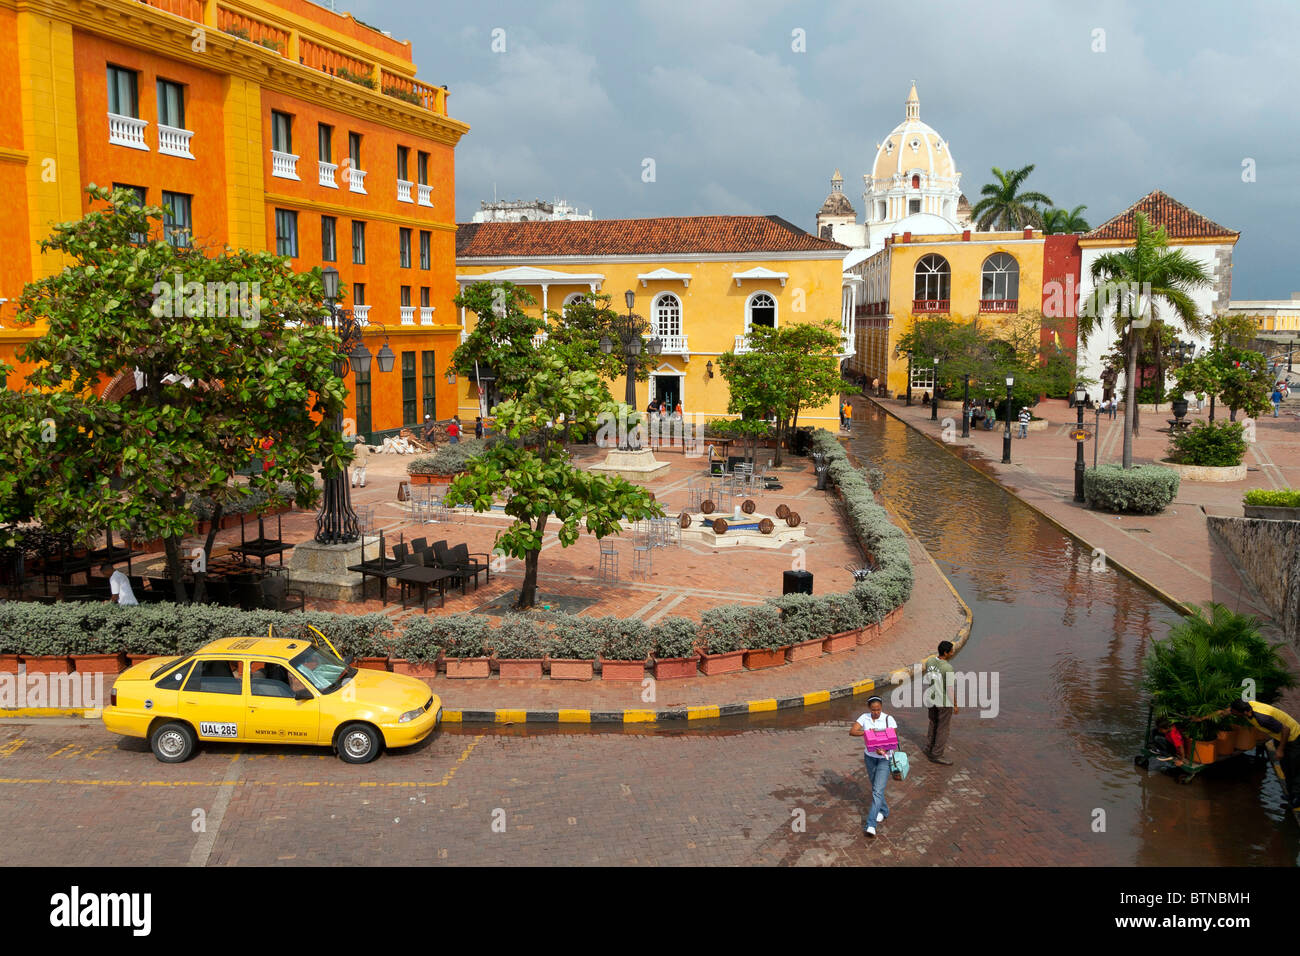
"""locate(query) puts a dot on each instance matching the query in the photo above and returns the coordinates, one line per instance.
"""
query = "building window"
(286, 233)
(426, 257)
(932, 278)
(325, 142)
(361, 386)
(354, 150)
(429, 372)
(408, 389)
(916, 181)
(403, 161)
(761, 310)
(138, 192)
(123, 92)
(571, 299)
(404, 247)
(913, 206)
(422, 168)
(329, 239)
(405, 293)
(358, 293)
(171, 104)
(281, 132)
(881, 215)
(1000, 282)
(667, 312)
(358, 243)
(178, 224)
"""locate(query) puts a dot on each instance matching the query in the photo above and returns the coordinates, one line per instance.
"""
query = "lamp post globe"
(1080, 396)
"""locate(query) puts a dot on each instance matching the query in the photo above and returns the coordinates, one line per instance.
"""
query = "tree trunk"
(201, 580)
(171, 546)
(1211, 406)
(1130, 406)
(780, 438)
(528, 590)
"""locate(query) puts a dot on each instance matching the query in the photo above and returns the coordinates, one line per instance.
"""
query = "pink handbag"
(886, 740)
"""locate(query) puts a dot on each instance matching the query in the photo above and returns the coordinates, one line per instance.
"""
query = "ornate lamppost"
(630, 330)
(909, 379)
(1080, 394)
(965, 406)
(934, 394)
(1006, 435)
(336, 522)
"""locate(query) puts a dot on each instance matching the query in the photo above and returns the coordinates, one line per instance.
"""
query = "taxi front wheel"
(358, 743)
(172, 742)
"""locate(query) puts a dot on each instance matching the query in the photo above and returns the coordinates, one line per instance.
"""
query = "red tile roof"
(676, 235)
(1162, 210)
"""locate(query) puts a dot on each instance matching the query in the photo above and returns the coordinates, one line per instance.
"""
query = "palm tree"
(1058, 221)
(1004, 206)
(1136, 281)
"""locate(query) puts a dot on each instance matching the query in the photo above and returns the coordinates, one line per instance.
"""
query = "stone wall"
(1269, 554)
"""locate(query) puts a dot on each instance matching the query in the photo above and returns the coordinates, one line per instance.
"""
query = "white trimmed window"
(932, 278)
(1001, 278)
(667, 312)
(760, 310)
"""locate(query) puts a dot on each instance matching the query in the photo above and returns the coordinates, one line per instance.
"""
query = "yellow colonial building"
(702, 282)
(985, 276)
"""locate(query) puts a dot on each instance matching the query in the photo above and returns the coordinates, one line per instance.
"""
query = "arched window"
(932, 283)
(569, 299)
(916, 180)
(999, 283)
(666, 316)
(761, 310)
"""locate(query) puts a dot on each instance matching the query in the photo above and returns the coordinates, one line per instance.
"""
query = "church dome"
(912, 148)
(837, 204)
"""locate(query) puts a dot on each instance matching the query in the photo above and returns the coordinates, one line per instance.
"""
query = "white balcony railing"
(673, 345)
(357, 180)
(126, 131)
(539, 339)
(408, 314)
(426, 315)
(742, 344)
(326, 173)
(174, 142)
(362, 314)
(284, 165)
(426, 194)
(404, 191)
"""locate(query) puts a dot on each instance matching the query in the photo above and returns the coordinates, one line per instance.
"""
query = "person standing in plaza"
(1024, 422)
(119, 585)
(941, 701)
(1276, 399)
(360, 458)
(879, 733)
(848, 416)
(453, 430)
(478, 427)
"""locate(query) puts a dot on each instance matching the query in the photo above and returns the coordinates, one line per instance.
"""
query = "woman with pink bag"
(879, 734)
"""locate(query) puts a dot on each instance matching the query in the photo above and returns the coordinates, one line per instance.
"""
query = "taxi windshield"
(325, 672)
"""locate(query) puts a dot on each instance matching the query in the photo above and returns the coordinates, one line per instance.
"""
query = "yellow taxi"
(269, 690)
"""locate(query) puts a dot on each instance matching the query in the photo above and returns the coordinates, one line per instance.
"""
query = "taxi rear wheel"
(172, 742)
(358, 743)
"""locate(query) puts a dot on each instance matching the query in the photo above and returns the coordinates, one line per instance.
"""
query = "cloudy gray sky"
(737, 121)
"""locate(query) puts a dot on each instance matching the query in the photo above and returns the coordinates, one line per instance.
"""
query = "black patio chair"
(460, 558)
(419, 545)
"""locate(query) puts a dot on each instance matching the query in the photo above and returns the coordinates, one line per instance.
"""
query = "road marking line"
(9, 748)
(208, 838)
(446, 778)
(701, 712)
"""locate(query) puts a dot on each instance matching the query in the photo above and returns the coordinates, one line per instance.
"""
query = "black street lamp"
(630, 330)
(909, 379)
(1080, 393)
(1006, 435)
(965, 406)
(336, 522)
(934, 395)
(1096, 433)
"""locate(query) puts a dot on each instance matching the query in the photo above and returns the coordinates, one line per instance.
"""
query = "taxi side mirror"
(302, 694)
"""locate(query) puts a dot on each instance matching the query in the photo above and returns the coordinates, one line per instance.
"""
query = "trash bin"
(821, 477)
(796, 582)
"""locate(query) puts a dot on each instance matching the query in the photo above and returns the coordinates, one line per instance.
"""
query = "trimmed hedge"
(1142, 489)
(450, 459)
(1212, 444)
(1264, 497)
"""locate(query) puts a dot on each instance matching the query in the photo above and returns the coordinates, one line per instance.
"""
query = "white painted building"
(529, 210)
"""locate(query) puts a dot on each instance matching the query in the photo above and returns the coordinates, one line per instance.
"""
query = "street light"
(451, 376)
(934, 395)
(629, 330)
(965, 405)
(1080, 394)
(909, 379)
(1006, 435)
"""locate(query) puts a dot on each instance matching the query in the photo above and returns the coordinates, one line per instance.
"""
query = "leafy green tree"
(534, 466)
(502, 340)
(1004, 206)
(786, 370)
(228, 351)
(1133, 285)
(1063, 221)
(575, 334)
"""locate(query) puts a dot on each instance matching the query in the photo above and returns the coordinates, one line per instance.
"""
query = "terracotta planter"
(1260, 736)
(469, 667)
(805, 650)
(231, 521)
(1244, 738)
(757, 660)
(401, 665)
(133, 659)
(722, 663)
(520, 668)
(869, 633)
(1205, 751)
(432, 479)
(201, 528)
(892, 618)
(47, 664)
(8, 663)
(98, 663)
(622, 670)
(1223, 743)
(373, 663)
(571, 670)
(675, 668)
(843, 641)
(152, 546)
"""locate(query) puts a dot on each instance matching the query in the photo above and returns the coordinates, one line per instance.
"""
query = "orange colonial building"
(263, 124)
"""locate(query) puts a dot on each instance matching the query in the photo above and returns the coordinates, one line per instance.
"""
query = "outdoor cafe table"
(261, 548)
(380, 568)
(423, 577)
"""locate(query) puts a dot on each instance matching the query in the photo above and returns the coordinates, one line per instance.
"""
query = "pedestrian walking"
(941, 700)
(847, 414)
(1114, 407)
(1024, 422)
(428, 429)
(1276, 399)
(478, 427)
(879, 733)
(453, 430)
(842, 404)
(360, 458)
(119, 585)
